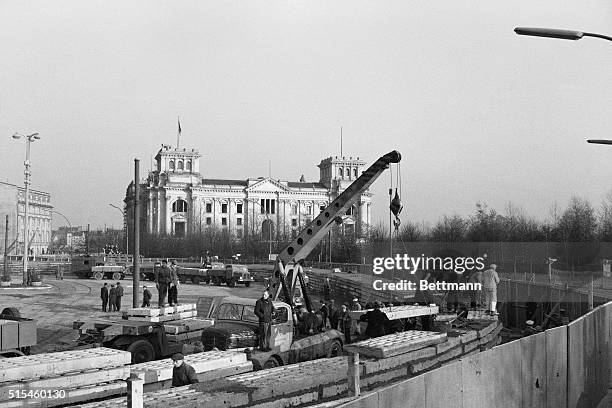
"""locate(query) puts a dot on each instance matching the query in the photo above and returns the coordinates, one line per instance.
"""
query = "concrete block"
(487, 329)
(470, 346)
(295, 401)
(335, 390)
(49, 364)
(450, 343)
(388, 376)
(373, 366)
(397, 343)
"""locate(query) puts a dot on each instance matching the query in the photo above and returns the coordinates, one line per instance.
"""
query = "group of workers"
(166, 282)
(111, 298)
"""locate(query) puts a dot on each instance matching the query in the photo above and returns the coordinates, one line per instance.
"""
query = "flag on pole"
(178, 136)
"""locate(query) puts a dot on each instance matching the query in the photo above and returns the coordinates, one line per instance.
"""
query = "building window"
(188, 166)
(355, 172)
(321, 208)
(224, 208)
(268, 206)
(208, 221)
(208, 207)
(179, 206)
(224, 221)
(294, 208)
(239, 208)
(238, 221)
(179, 165)
(294, 222)
(171, 165)
(308, 209)
(340, 173)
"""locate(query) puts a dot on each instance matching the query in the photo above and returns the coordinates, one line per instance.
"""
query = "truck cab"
(236, 326)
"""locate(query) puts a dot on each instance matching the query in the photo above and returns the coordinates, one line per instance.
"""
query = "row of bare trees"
(578, 222)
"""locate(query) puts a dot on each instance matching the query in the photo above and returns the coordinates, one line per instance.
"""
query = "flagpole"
(178, 136)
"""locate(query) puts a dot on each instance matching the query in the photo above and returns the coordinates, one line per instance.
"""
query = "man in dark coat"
(173, 286)
(119, 295)
(334, 315)
(104, 296)
(112, 299)
(182, 373)
(324, 313)
(377, 321)
(345, 323)
(163, 278)
(263, 310)
(146, 297)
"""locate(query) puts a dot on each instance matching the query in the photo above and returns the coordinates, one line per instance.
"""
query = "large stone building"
(177, 200)
(12, 203)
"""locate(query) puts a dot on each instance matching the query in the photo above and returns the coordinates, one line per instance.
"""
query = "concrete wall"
(565, 367)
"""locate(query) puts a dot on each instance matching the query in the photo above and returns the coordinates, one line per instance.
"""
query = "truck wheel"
(335, 350)
(247, 284)
(271, 363)
(11, 312)
(195, 280)
(117, 276)
(142, 351)
(231, 283)
(98, 275)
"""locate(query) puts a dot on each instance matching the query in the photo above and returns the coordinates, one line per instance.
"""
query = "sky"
(478, 113)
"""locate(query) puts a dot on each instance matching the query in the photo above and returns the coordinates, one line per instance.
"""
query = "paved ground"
(64, 301)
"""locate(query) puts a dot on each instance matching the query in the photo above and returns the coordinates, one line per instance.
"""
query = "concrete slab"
(409, 394)
(533, 368)
(443, 386)
(395, 344)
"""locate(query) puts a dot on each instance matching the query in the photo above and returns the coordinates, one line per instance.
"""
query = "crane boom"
(314, 232)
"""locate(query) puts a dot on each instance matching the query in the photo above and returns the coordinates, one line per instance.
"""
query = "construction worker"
(263, 310)
(112, 298)
(334, 315)
(346, 323)
(182, 373)
(104, 296)
(377, 321)
(163, 278)
(356, 306)
(475, 295)
(324, 314)
(119, 295)
(146, 297)
(173, 286)
(490, 280)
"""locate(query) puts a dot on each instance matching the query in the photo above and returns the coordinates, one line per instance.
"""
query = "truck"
(236, 326)
(230, 274)
(17, 334)
(235, 322)
(100, 266)
(145, 340)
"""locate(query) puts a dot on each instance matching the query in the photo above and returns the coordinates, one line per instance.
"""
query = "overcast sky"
(478, 113)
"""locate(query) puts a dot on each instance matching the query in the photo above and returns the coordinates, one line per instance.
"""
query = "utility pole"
(136, 271)
(6, 273)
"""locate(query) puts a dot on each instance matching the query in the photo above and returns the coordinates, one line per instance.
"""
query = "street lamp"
(556, 33)
(29, 139)
(67, 220)
(564, 35)
(126, 229)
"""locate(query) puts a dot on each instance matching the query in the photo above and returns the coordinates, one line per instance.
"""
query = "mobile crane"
(239, 327)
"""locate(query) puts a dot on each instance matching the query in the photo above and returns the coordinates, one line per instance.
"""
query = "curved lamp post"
(557, 33)
(27, 173)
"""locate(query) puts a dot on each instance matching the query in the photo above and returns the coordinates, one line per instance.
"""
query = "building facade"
(12, 203)
(176, 200)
